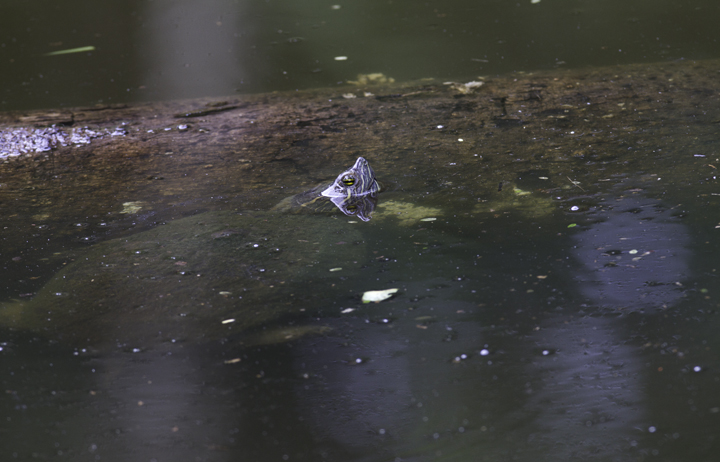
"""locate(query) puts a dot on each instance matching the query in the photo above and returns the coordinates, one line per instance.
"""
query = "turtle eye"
(348, 180)
(351, 208)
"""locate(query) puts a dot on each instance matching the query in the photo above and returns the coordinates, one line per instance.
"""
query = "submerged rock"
(179, 281)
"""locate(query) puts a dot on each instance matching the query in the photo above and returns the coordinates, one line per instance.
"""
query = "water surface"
(152, 50)
(562, 305)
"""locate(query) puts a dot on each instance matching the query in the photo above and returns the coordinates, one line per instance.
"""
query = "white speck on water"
(460, 140)
(574, 208)
(341, 58)
(697, 369)
(633, 252)
(381, 431)
(546, 352)
(136, 350)
(228, 321)
(652, 429)
(484, 352)
(440, 127)
(358, 361)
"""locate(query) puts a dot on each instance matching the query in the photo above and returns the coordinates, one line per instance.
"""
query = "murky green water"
(152, 50)
(551, 305)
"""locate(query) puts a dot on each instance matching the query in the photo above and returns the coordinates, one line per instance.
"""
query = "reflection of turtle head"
(355, 190)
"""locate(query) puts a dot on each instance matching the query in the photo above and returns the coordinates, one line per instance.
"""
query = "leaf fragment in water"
(70, 50)
(377, 295)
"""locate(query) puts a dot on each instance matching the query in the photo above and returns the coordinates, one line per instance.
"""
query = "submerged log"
(575, 127)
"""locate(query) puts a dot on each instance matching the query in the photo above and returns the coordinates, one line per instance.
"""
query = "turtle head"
(355, 190)
(358, 180)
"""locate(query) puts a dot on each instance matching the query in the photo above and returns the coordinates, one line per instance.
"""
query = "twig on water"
(576, 183)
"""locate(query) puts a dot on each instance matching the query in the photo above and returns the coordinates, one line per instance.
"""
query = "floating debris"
(347, 310)
(465, 88)
(228, 321)
(340, 58)
(349, 96)
(132, 207)
(378, 295)
(70, 50)
(332, 270)
(374, 78)
(232, 361)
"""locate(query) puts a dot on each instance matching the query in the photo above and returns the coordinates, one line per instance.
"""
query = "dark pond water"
(530, 324)
(151, 50)
(542, 320)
